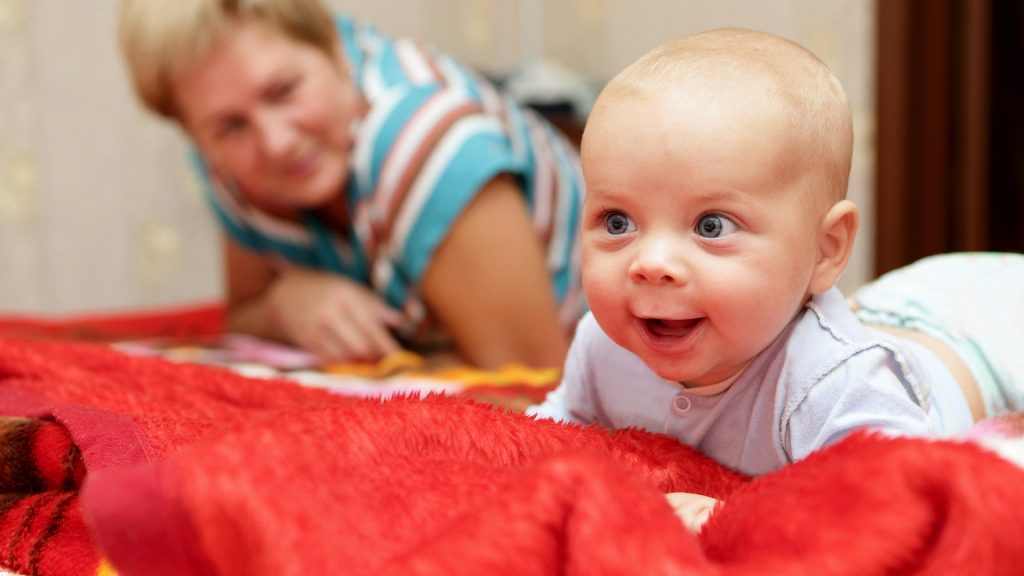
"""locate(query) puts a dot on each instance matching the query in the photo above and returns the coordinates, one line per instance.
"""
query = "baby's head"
(744, 75)
(716, 170)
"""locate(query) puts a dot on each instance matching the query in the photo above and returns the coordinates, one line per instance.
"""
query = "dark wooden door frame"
(933, 132)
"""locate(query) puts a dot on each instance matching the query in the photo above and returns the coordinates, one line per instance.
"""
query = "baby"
(714, 228)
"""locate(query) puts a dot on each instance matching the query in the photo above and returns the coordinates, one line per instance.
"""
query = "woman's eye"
(616, 223)
(283, 90)
(715, 226)
(230, 127)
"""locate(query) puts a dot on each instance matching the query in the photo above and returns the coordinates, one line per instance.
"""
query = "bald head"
(757, 74)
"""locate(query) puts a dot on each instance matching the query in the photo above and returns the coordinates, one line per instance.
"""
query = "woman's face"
(273, 114)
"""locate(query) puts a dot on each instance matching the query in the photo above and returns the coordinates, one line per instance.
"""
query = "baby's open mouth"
(670, 328)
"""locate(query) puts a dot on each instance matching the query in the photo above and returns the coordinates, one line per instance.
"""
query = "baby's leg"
(972, 307)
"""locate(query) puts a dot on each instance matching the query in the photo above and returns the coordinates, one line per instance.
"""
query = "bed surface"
(134, 450)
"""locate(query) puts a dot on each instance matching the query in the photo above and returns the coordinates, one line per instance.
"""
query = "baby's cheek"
(597, 284)
(607, 304)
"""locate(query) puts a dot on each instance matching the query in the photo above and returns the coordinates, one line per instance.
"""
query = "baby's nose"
(659, 262)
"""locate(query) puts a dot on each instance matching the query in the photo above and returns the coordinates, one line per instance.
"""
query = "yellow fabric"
(105, 569)
(410, 364)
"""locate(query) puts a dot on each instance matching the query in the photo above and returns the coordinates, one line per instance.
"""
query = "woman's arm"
(489, 286)
(334, 318)
(247, 278)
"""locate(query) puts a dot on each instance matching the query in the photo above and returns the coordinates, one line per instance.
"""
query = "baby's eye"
(715, 225)
(616, 223)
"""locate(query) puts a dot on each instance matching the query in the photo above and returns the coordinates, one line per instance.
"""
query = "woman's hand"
(693, 509)
(332, 317)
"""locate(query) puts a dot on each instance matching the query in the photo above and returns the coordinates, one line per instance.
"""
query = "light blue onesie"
(824, 377)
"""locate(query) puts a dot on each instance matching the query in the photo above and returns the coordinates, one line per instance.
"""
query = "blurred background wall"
(98, 209)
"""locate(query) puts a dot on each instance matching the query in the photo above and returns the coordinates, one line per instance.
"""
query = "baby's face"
(699, 235)
(273, 114)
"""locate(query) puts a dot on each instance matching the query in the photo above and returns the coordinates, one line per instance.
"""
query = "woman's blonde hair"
(160, 38)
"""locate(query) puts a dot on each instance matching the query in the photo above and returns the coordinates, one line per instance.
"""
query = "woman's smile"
(303, 166)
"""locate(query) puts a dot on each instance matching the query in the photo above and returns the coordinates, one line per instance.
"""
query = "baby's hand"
(692, 509)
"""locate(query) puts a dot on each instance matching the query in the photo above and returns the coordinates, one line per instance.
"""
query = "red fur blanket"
(158, 468)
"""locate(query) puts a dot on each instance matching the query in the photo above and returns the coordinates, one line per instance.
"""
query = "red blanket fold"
(201, 320)
(193, 470)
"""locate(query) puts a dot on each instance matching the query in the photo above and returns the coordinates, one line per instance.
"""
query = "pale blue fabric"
(974, 302)
(824, 377)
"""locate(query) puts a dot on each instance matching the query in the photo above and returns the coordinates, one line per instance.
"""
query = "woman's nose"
(659, 261)
(277, 134)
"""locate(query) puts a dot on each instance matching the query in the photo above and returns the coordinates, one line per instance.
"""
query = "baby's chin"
(672, 373)
(683, 374)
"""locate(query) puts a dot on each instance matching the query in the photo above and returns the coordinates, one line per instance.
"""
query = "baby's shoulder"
(830, 352)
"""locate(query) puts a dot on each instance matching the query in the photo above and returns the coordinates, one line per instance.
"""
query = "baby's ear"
(835, 242)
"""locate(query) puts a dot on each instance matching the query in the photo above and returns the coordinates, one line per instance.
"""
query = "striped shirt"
(434, 135)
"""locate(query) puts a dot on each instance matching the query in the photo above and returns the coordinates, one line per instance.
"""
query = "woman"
(371, 191)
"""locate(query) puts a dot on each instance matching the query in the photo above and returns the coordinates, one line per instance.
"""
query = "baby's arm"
(848, 400)
(571, 401)
(554, 407)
